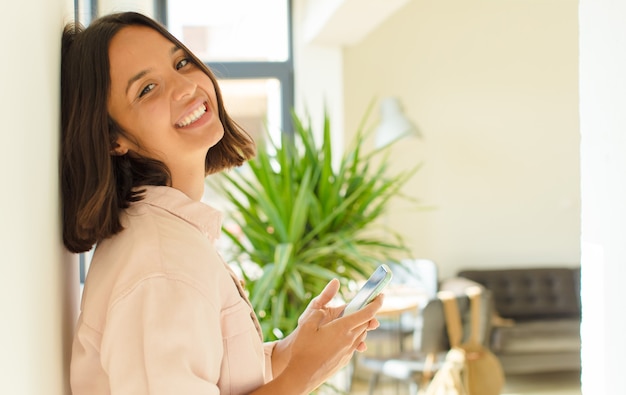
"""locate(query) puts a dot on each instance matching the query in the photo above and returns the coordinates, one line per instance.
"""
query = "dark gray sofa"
(537, 328)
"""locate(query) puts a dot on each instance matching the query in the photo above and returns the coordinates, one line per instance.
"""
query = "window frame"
(93, 12)
(282, 71)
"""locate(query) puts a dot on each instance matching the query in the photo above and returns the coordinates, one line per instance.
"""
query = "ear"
(120, 147)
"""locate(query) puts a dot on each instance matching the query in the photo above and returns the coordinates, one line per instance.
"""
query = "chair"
(417, 365)
(418, 274)
(393, 333)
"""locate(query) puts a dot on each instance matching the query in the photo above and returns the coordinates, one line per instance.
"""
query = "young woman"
(143, 123)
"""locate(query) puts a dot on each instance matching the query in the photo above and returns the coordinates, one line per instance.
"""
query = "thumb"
(326, 295)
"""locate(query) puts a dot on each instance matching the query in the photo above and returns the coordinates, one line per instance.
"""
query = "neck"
(190, 184)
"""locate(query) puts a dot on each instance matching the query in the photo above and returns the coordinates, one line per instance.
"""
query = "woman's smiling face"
(165, 104)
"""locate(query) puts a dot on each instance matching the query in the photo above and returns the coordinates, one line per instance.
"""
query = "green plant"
(304, 221)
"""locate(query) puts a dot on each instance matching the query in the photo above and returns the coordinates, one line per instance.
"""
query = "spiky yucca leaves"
(305, 222)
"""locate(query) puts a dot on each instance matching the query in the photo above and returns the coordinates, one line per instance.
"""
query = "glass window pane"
(84, 11)
(233, 30)
(255, 104)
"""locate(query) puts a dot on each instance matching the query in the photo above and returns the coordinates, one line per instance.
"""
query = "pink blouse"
(162, 313)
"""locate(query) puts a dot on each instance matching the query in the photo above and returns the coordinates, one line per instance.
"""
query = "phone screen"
(374, 285)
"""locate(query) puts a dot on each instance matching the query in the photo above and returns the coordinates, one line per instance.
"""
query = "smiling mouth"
(193, 117)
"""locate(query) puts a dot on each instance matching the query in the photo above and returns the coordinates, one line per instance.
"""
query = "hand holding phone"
(374, 286)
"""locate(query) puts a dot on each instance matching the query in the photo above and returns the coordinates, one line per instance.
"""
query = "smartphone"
(374, 286)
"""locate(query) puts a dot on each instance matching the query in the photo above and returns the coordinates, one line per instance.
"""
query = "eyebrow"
(175, 49)
(142, 73)
(135, 78)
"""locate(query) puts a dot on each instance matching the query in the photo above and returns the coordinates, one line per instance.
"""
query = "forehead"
(137, 45)
(136, 49)
(137, 40)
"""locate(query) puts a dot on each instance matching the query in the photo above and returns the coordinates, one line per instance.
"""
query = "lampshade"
(394, 124)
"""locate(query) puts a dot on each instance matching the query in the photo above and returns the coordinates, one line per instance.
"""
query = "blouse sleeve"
(268, 349)
(163, 336)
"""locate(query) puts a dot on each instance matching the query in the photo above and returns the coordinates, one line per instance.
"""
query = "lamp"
(394, 124)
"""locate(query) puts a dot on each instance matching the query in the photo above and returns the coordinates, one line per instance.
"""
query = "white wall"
(38, 286)
(493, 87)
(318, 78)
(603, 169)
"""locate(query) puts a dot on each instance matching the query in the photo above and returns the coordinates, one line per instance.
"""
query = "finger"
(375, 304)
(378, 301)
(364, 315)
(327, 294)
(337, 311)
(373, 324)
(359, 330)
(360, 342)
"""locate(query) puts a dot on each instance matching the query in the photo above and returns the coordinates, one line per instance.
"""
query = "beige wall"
(493, 87)
(38, 285)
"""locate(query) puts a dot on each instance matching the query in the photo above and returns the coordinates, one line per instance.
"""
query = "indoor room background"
(520, 107)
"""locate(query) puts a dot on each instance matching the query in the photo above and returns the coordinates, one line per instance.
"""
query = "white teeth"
(193, 117)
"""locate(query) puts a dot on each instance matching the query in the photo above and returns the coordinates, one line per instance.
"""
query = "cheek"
(149, 128)
(207, 85)
(154, 115)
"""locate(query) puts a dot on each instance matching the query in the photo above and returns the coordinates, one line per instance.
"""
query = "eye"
(147, 89)
(184, 62)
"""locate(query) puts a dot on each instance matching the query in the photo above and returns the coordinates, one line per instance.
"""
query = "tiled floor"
(562, 383)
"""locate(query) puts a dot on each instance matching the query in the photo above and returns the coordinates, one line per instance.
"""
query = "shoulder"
(156, 247)
(155, 242)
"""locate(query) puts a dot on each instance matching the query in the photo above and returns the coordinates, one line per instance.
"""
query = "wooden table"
(401, 299)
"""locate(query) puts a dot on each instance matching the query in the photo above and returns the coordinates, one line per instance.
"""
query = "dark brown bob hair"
(95, 185)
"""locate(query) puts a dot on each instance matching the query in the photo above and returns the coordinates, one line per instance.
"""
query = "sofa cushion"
(532, 293)
(539, 336)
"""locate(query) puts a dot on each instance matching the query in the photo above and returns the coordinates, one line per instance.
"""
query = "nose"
(182, 86)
